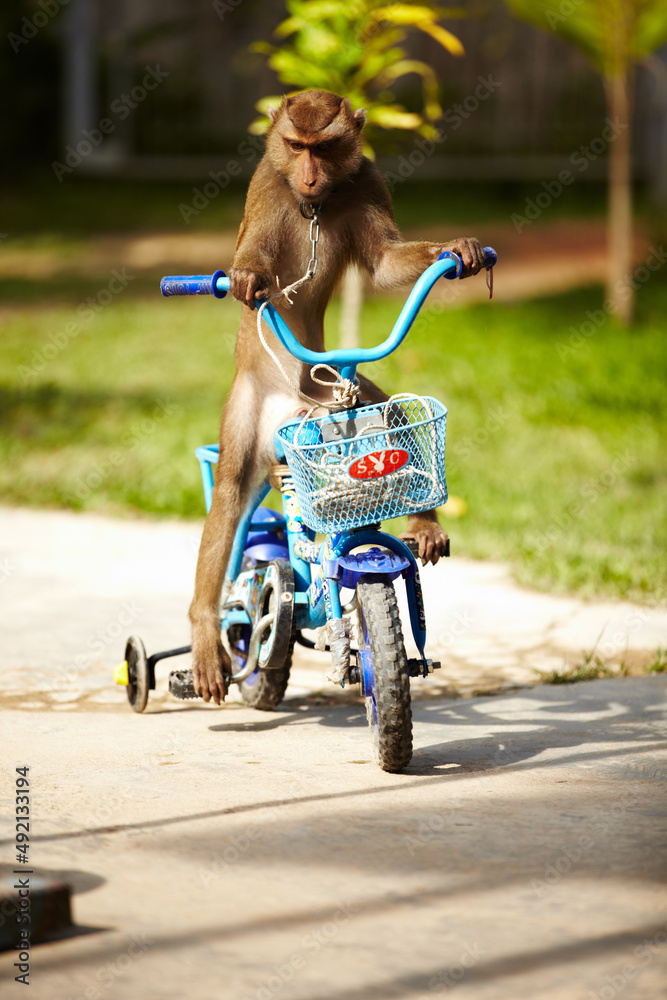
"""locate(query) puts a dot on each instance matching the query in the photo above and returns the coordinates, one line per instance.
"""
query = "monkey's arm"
(258, 246)
(377, 243)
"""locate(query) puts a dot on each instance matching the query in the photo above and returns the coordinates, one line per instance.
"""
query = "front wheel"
(384, 674)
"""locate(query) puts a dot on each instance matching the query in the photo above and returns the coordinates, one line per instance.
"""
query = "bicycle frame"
(317, 595)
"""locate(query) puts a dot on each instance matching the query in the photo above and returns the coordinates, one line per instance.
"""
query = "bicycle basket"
(368, 464)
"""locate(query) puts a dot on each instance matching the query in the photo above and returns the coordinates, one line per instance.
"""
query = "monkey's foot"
(430, 538)
(210, 663)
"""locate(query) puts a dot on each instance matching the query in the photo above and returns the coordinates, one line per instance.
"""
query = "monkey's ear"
(273, 113)
(360, 118)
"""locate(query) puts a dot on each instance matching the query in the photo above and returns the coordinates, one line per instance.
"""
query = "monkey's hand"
(246, 286)
(468, 249)
(210, 661)
(426, 531)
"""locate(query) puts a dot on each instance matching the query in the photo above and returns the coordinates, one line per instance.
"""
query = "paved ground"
(225, 853)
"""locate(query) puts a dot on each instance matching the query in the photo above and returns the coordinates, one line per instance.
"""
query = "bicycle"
(340, 475)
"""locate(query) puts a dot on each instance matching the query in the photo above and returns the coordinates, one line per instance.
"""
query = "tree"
(354, 48)
(615, 35)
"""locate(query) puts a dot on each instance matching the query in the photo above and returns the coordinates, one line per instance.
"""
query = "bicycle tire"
(138, 678)
(384, 674)
(265, 688)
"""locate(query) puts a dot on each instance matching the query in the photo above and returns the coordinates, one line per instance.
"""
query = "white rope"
(345, 392)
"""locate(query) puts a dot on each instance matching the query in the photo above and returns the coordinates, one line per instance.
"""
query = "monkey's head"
(315, 142)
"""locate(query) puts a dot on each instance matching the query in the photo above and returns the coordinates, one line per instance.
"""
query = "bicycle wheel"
(265, 687)
(384, 674)
(138, 680)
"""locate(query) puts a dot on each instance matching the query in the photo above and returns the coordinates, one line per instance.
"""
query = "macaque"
(313, 157)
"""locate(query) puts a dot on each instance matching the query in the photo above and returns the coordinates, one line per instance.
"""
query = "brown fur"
(357, 226)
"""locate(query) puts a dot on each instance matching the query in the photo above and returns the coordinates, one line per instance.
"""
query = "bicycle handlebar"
(218, 283)
(196, 284)
(448, 265)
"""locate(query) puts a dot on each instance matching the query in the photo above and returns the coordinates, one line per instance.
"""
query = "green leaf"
(268, 102)
(448, 41)
(259, 126)
(392, 116)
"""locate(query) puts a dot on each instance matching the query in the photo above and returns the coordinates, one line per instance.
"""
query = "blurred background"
(125, 155)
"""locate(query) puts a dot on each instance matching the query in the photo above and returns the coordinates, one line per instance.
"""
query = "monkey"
(313, 159)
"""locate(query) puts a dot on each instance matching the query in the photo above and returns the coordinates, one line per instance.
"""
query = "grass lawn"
(557, 456)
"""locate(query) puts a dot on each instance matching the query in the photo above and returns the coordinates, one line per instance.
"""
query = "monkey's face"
(311, 171)
(315, 143)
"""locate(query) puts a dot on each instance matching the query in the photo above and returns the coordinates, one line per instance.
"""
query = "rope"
(345, 392)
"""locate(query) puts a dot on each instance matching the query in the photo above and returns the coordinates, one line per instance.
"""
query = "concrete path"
(226, 854)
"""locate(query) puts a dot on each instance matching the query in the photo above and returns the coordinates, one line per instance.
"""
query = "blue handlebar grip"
(490, 257)
(193, 284)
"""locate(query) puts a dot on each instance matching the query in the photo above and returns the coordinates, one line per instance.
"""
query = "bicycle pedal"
(181, 685)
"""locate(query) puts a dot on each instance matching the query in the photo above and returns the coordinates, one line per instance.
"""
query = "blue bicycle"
(340, 475)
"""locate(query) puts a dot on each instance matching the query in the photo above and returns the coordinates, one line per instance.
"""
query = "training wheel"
(138, 680)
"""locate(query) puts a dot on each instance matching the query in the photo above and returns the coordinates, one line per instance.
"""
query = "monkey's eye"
(324, 147)
(298, 147)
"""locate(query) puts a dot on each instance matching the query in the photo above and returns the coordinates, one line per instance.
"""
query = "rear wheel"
(265, 687)
(384, 674)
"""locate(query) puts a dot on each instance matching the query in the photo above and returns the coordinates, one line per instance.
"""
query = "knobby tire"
(388, 708)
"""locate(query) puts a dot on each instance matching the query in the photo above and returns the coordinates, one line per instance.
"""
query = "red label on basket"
(378, 463)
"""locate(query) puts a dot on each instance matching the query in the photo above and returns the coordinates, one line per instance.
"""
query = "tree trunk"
(351, 299)
(619, 212)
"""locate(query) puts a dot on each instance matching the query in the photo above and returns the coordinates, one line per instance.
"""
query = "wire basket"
(366, 465)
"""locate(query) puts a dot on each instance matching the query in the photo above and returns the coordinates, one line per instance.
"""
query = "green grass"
(659, 666)
(593, 668)
(560, 460)
(590, 670)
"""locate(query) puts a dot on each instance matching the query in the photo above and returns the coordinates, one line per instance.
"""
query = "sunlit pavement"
(234, 854)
